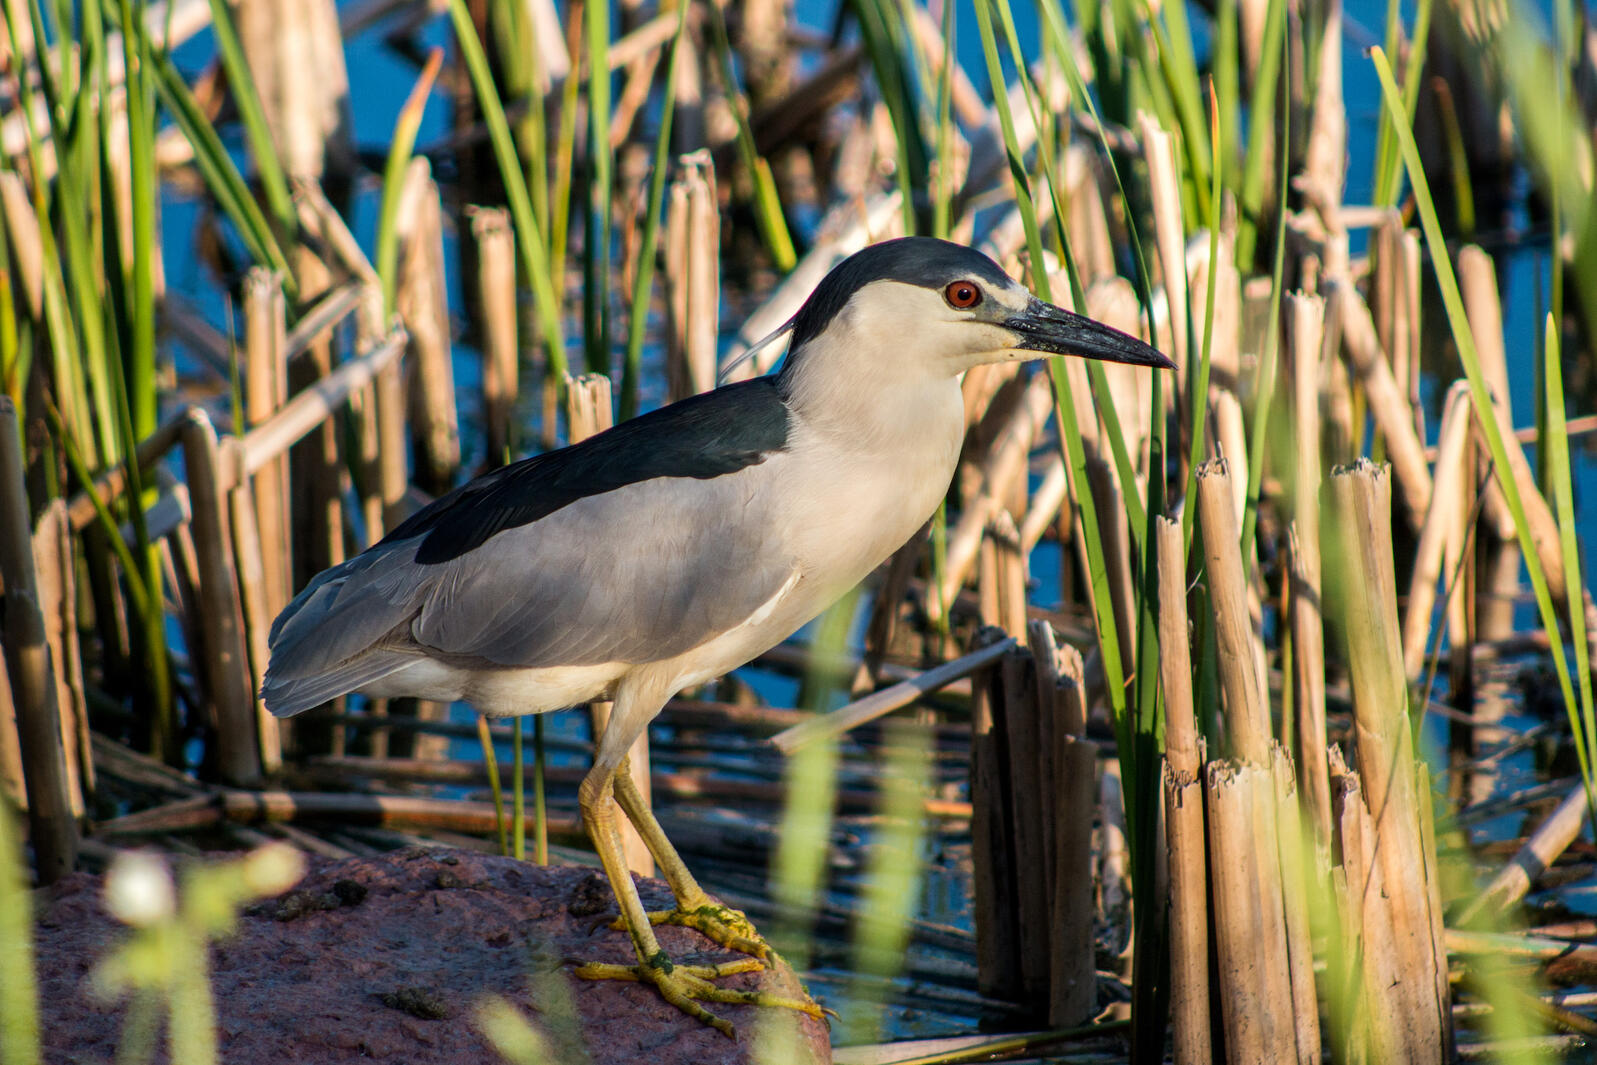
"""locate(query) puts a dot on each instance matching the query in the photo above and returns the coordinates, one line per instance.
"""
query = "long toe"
(722, 925)
(686, 986)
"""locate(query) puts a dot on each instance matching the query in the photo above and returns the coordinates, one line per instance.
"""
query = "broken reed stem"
(1295, 872)
(1001, 471)
(692, 278)
(1165, 193)
(496, 291)
(1388, 403)
(1185, 835)
(1367, 598)
(1477, 283)
(422, 300)
(57, 599)
(266, 390)
(254, 608)
(1016, 713)
(229, 687)
(1440, 531)
(1247, 709)
(1551, 838)
(1110, 504)
(1305, 343)
(588, 413)
(993, 873)
(1254, 966)
(52, 828)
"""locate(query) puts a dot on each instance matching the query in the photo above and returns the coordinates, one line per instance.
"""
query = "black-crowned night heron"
(681, 544)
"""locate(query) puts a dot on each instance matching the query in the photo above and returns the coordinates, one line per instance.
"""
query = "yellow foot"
(719, 924)
(685, 986)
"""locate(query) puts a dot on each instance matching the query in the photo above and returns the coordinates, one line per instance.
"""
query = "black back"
(705, 436)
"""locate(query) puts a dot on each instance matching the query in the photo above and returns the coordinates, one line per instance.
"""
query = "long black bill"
(1044, 327)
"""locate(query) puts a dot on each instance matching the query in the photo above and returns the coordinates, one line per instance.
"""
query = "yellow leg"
(684, 986)
(695, 909)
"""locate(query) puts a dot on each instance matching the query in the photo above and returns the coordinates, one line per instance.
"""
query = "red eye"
(962, 294)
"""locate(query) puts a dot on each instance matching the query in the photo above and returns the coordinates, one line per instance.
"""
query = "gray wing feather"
(635, 575)
(638, 574)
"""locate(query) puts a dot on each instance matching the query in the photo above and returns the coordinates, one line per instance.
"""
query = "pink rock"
(387, 959)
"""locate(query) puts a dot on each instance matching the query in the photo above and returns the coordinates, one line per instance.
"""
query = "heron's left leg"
(684, 986)
(695, 908)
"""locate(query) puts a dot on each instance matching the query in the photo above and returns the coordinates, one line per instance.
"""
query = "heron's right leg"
(684, 986)
(695, 908)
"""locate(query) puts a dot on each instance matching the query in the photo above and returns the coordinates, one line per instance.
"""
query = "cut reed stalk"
(55, 570)
(1305, 343)
(496, 310)
(1440, 533)
(1477, 283)
(1388, 402)
(255, 607)
(1016, 713)
(589, 412)
(1247, 709)
(1003, 469)
(31, 672)
(1185, 836)
(1367, 599)
(1295, 871)
(1254, 967)
(993, 872)
(692, 277)
(229, 689)
(423, 304)
(265, 391)
(1165, 192)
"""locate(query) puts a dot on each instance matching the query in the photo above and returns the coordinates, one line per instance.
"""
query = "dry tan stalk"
(1295, 872)
(873, 706)
(1433, 884)
(589, 409)
(1325, 157)
(316, 468)
(1117, 558)
(1175, 657)
(1477, 282)
(23, 239)
(692, 277)
(1249, 927)
(1073, 983)
(229, 688)
(54, 594)
(1367, 947)
(1225, 336)
(1551, 838)
(1368, 600)
(392, 471)
(1388, 404)
(296, 58)
(1001, 470)
(423, 304)
(254, 606)
(1303, 350)
(993, 888)
(1114, 302)
(1011, 571)
(1165, 194)
(1114, 866)
(1230, 442)
(1183, 810)
(309, 410)
(1044, 510)
(1051, 775)
(1189, 918)
(1018, 721)
(1247, 709)
(1088, 223)
(265, 391)
(496, 279)
(1439, 531)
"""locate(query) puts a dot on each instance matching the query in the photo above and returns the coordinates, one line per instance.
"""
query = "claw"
(720, 924)
(685, 986)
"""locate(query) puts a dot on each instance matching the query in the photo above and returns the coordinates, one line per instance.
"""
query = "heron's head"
(923, 307)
